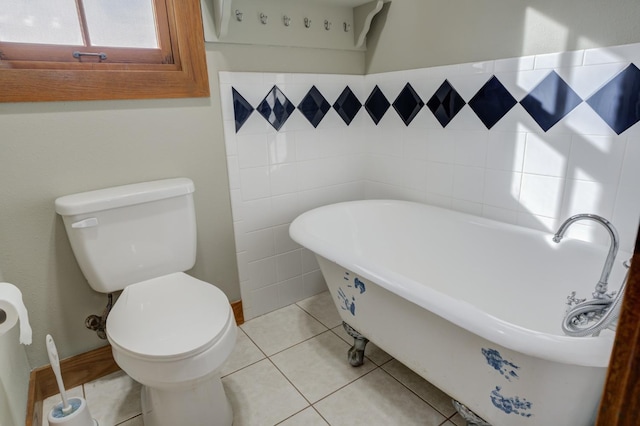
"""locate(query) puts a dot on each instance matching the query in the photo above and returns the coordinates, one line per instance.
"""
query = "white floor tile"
(457, 420)
(113, 398)
(244, 353)
(282, 329)
(261, 395)
(319, 366)
(307, 417)
(425, 390)
(377, 399)
(136, 421)
(322, 308)
(371, 351)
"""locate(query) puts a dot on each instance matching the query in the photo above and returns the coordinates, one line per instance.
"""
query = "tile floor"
(290, 368)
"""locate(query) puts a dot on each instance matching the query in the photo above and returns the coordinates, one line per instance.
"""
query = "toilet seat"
(168, 318)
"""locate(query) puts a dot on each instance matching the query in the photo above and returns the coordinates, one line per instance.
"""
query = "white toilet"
(168, 331)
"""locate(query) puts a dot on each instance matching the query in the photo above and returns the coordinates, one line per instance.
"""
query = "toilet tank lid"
(120, 196)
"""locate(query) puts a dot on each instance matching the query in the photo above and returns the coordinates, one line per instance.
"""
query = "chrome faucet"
(601, 288)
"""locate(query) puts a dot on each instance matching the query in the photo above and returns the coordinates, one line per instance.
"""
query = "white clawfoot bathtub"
(472, 305)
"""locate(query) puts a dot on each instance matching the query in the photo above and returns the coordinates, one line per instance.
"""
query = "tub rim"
(583, 351)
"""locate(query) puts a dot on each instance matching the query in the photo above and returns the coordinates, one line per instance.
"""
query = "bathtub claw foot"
(469, 416)
(356, 353)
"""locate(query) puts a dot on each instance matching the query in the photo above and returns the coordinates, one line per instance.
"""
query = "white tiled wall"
(514, 173)
(276, 175)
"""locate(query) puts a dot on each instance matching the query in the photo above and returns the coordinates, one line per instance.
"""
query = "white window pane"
(121, 23)
(40, 21)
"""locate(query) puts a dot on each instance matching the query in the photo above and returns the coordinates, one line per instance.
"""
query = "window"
(101, 49)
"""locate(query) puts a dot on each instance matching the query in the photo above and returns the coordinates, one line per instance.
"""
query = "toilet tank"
(127, 234)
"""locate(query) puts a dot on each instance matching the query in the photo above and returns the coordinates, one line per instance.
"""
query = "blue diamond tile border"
(445, 103)
(276, 108)
(492, 102)
(314, 106)
(241, 109)
(408, 104)
(377, 105)
(550, 101)
(618, 101)
(347, 105)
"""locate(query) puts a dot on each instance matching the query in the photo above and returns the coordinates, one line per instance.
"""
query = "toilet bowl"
(176, 358)
(169, 331)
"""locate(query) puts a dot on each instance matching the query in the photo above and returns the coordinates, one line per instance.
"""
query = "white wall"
(59, 148)
(409, 34)
(515, 172)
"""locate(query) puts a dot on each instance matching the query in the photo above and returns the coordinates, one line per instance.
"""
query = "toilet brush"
(72, 411)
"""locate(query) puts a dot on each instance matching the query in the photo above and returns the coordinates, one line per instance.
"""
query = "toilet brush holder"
(79, 414)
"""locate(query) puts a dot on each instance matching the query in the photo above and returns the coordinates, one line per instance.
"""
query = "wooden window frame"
(186, 77)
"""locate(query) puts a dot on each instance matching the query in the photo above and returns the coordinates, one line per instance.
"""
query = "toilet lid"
(173, 316)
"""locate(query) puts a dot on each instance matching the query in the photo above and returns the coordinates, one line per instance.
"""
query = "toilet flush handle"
(85, 223)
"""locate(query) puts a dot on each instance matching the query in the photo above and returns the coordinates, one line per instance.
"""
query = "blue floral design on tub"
(504, 367)
(346, 303)
(348, 300)
(510, 405)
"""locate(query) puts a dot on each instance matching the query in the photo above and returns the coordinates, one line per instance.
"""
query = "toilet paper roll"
(12, 310)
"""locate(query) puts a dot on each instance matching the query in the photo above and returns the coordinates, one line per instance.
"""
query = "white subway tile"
(588, 197)
(537, 222)
(505, 151)
(468, 183)
(522, 63)
(284, 209)
(230, 137)
(262, 273)
(257, 214)
(254, 183)
(415, 175)
(585, 81)
(252, 150)
(596, 158)
(557, 60)
(471, 148)
(546, 154)
(466, 206)
(438, 200)
(502, 189)
(291, 291)
(604, 55)
(541, 195)
(265, 300)
(289, 265)
(499, 214)
(309, 261)
(283, 178)
(283, 242)
(441, 147)
(234, 172)
(281, 147)
(440, 178)
(583, 120)
(314, 283)
(259, 244)
(630, 175)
